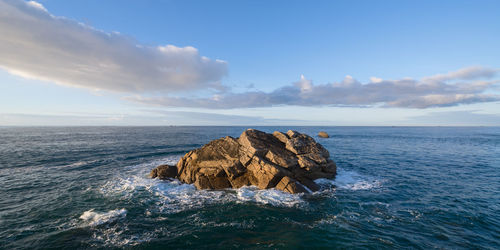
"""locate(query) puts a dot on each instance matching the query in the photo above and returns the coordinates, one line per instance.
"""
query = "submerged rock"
(323, 134)
(288, 162)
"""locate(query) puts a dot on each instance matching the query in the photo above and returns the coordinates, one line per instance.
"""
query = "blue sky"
(249, 62)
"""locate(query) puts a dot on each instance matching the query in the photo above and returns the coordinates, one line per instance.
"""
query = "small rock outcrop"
(288, 162)
(323, 134)
(164, 172)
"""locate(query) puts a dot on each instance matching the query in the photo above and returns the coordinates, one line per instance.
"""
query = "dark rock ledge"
(288, 162)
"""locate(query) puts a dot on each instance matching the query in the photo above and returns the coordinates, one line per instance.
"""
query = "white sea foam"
(329, 219)
(80, 163)
(167, 197)
(198, 220)
(93, 218)
(117, 236)
(350, 180)
(268, 196)
(174, 196)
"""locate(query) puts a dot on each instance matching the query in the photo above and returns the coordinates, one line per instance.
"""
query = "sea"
(396, 188)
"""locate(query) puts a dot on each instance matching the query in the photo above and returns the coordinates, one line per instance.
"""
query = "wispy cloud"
(465, 86)
(469, 73)
(36, 44)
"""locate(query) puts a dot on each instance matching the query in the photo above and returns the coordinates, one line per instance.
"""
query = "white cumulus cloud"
(38, 45)
(36, 5)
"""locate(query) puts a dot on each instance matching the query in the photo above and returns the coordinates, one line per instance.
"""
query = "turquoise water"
(397, 187)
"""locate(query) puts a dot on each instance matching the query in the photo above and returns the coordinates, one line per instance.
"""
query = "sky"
(328, 63)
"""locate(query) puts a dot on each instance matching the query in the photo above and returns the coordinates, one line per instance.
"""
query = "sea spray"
(92, 218)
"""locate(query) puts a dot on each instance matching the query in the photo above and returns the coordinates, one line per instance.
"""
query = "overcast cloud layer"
(36, 44)
(465, 86)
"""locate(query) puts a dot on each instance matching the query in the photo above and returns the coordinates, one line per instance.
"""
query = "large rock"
(289, 162)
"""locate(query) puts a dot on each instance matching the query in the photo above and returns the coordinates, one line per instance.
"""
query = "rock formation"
(164, 172)
(323, 134)
(288, 162)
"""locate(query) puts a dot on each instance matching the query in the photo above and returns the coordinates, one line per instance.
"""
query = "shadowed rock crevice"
(288, 162)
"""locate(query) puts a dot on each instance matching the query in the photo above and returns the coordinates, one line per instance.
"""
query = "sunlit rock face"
(323, 134)
(288, 162)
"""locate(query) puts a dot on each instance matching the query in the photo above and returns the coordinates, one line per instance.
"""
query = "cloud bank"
(464, 86)
(36, 44)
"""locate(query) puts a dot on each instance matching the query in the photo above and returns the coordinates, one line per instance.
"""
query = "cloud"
(35, 44)
(37, 5)
(462, 74)
(464, 86)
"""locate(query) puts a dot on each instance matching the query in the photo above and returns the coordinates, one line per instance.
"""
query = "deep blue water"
(397, 187)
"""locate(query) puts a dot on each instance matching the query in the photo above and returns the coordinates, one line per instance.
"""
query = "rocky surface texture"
(288, 162)
(164, 172)
(323, 134)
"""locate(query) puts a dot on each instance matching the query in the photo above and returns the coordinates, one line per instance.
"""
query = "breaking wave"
(174, 196)
(93, 218)
(350, 180)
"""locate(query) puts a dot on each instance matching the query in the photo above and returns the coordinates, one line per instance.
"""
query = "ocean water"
(397, 187)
